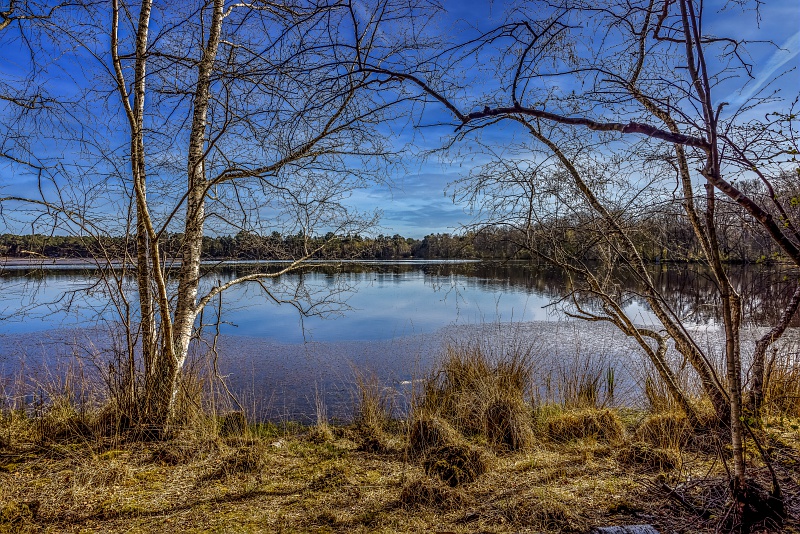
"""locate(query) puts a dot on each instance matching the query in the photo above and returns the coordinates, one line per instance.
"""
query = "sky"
(419, 200)
(420, 203)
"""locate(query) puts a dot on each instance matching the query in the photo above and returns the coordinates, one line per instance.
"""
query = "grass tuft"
(332, 477)
(431, 492)
(248, 459)
(543, 514)
(375, 402)
(232, 424)
(373, 413)
(428, 432)
(481, 393)
(180, 452)
(644, 455)
(782, 387)
(509, 424)
(320, 434)
(61, 423)
(455, 464)
(601, 424)
(664, 430)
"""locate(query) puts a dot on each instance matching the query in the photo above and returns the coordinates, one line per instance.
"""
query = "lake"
(387, 319)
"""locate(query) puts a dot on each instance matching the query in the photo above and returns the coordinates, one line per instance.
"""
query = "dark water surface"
(386, 319)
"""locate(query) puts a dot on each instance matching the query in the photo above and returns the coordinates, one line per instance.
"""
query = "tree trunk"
(189, 279)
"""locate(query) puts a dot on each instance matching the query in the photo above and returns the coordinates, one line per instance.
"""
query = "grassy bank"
(477, 453)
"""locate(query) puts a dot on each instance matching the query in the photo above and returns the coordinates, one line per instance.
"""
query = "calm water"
(367, 302)
(390, 319)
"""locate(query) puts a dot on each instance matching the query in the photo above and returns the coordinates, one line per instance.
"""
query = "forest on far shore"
(659, 237)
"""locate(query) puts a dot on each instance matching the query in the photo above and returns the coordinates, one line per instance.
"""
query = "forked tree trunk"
(186, 308)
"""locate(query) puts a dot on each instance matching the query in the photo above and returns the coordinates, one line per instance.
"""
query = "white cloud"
(787, 52)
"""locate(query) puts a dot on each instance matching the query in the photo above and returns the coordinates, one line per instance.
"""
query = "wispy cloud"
(787, 52)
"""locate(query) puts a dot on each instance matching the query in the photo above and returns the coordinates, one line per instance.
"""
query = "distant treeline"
(659, 239)
(249, 246)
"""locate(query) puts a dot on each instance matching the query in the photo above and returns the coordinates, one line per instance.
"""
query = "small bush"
(428, 433)
(455, 464)
(431, 492)
(602, 424)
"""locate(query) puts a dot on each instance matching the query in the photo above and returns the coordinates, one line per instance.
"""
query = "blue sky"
(419, 201)
(420, 204)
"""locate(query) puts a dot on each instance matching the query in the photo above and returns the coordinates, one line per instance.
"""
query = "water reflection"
(388, 317)
(380, 300)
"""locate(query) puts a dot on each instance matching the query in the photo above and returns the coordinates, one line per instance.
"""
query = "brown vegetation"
(573, 468)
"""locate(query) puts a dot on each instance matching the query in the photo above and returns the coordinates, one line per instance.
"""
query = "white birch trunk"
(186, 308)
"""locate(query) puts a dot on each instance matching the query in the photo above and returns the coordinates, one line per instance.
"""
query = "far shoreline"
(21, 262)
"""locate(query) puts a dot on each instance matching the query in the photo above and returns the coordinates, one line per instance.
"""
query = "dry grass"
(664, 430)
(374, 407)
(474, 456)
(508, 423)
(433, 493)
(430, 432)
(456, 464)
(543, 514)
(782, 387)
(250, 458)
(567, 425)
(290, 483)
(61, 422)
(648, 457)
(232, 424)
(481, 393)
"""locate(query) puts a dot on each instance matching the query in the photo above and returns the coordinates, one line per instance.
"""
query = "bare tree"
(645, 77)
(239, 116)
